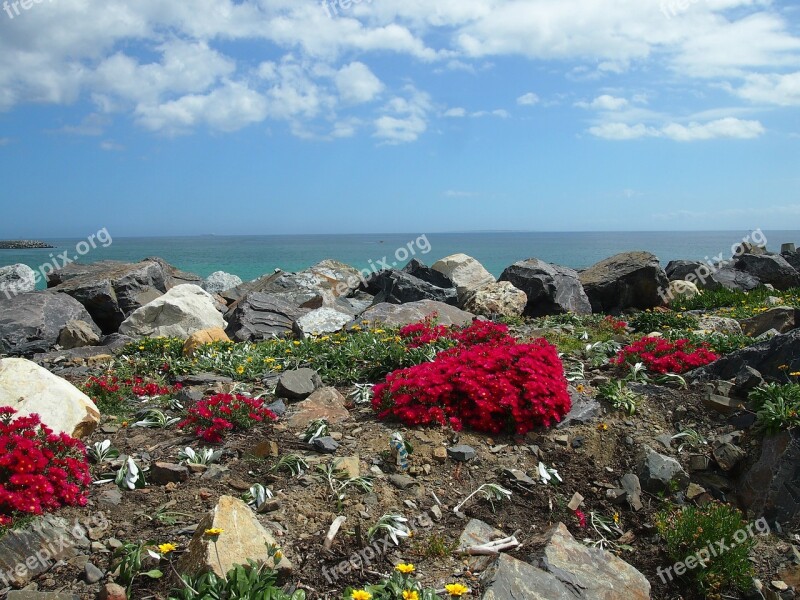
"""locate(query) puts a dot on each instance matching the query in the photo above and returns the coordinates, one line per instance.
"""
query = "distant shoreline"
(23, 245)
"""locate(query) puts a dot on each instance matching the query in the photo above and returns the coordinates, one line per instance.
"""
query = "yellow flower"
(795, 374)
(167, 548)
(213, 532)
(580, 388)
(324, 338)
(288, 351)
(410, 595)
(277, 368)
(783, 367)
(616, 518)
(249, 359)
(361, 595)
(240, 369)
(603, 427)
(456, 590)
(141, 347)
(356, 328)
(278, 555)
(376, 331)
(405, 568)
(296, 343)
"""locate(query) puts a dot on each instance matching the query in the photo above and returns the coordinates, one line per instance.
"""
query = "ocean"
(252, 256)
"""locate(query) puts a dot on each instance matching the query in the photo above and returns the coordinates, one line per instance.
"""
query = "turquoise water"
(252, 256)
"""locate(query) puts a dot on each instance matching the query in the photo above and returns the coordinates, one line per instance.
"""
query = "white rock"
(180, 312)
(220, 281)
(28, 388)
(466, 273)
(500, 298)
(321, 321)
(17, 279)
(682, 289)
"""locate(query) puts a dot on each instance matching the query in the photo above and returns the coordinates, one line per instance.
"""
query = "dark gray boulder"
(772, 269)
(421, 271)
(793, 258)
(400, 287)
(627, 280)
(736, 280)
(112, 290)
(771, 487)
(766, 357)
(31, 323)
(260, 316)
(551, 289)
(694, 271)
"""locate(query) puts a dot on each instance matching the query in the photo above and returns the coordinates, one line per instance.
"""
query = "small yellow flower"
(580, 388)
(249, 359)
(324, 338)
(361, 595)
(167, 548)
(214, 532)
(277, 368)
(616, 518)
(141, 347)
(405, 568)
(602, 427)
(456, 590)
(296, 343)
(278, 555)
(240, 369)
(783, 367)
(795, 374)
(356, 328)
(376, 331)
(410, 595)
(288, 351)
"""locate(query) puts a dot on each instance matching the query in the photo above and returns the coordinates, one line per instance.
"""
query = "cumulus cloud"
(773, 88)
(406, 118)
(357, 84)
(528, 99)
(728, 128)
(604, 102)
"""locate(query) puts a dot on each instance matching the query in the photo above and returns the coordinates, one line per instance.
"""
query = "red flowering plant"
(214, 417)
(110, 393)
(662, 356)
(40, 471)
(487, 382)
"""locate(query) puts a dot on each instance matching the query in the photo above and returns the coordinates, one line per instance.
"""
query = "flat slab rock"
(568, 571)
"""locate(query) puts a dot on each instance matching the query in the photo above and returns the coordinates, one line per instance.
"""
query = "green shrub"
(649, 321)
(777, 406)
(736, 304)
(697, 532)
(254, 582)
(719, 343)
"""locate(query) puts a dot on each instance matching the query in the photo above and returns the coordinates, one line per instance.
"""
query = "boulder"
(628, 280)
(780, 318)
(112, 290)
(398, 315)
(320, 321)
(32, 322)
(771, 487)
(243, 538)
(421, 271)
(260, 315)
(203, 337)
(714, 324)
(297, 384)
(325, 403)
(400, 287)
(497, 299)
(793, 258)
(17, 279)
(734, 279)
(766, 357)
(78, 334)
(679, 289)
(466, 273)
(28, 388)
(772, 269)
(220, 281)
(659, 473)
(697, 272)
(569, 570)
(180, 312)
(550, 289)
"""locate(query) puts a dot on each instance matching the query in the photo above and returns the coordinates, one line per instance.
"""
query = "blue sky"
(296, 116)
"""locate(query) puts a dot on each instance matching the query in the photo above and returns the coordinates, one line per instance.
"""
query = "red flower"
(662, 356)
(213, 417)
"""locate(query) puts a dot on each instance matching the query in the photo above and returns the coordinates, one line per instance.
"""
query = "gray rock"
(33, 595)
(780, 318)
(627, 280)
(697, 272)
(568, 570)
(92, 574)
(772, 269)
(419, 270)
(182, 311)
(220, 281)
(397, 315)
(461, 453)
(162, 473)
(584, 410)
(734, 279)
(747, 379)
(298, 384)
(260, 315)
(401, 287)
(633, 490)
(728, 456)
(466, 273)
(112, 290)
(78, 334)
(766, 357)
(402, 482)
(28, 552)
(31, 323)
(724, 325)
(278, 407)
(496, 299)
(771, 487)
(325, 445)
(659, 473)
(793, 258)
(551, 289)
(17, 279)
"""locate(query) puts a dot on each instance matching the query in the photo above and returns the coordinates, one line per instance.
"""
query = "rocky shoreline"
(108, 343)
(23, 245)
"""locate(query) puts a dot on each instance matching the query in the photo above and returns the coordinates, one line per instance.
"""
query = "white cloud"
(455, 113)
(110, 146)
(528, 99)
(357, 84)
(406, 118)
(783, 90)
(604, 102)
(729, 128)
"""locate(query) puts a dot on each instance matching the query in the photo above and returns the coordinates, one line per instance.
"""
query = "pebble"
(461, 453)
(92, 574)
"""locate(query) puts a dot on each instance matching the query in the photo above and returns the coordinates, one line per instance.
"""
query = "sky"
(335, 116)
